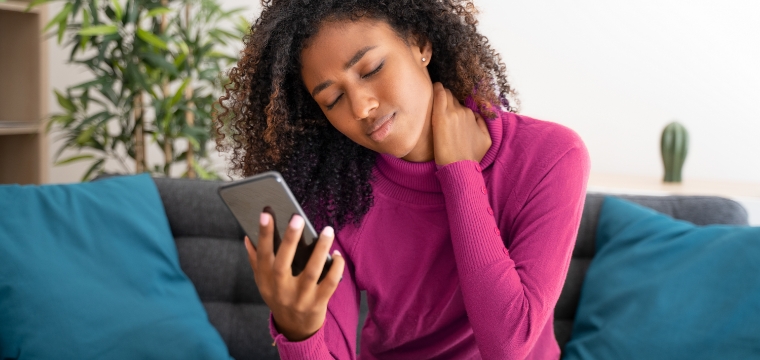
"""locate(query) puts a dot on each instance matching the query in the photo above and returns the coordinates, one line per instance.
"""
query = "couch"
(211, 253)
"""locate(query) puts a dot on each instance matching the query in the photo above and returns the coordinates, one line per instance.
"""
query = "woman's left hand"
(458, 132)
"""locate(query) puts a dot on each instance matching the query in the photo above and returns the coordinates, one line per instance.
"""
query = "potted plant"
(157, 71)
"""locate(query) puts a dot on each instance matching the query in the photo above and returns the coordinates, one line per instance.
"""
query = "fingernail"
(328, 231)
(264, 219)
(336, 252)
(341, 279)
(296, 222)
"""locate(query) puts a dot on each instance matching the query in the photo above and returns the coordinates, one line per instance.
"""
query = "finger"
(452, 101)
(265, 252)
(251, 254)
(319, 257)
(440, 102)
(327, 287)
(287, 250)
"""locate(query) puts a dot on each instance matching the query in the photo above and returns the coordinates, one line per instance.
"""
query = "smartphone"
(268, 192)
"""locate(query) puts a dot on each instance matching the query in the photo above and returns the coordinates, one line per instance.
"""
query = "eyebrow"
(358, 56)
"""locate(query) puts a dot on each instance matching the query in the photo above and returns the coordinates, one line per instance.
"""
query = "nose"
(363, 102)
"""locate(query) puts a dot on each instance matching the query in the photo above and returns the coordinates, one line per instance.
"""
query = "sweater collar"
(412, 181)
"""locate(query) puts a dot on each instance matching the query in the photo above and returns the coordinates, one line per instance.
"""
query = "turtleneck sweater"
(463, 261)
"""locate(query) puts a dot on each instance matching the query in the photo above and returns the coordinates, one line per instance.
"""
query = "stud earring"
(423, 59)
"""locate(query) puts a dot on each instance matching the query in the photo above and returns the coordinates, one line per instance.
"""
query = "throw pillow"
(91, 271)
(660, 288)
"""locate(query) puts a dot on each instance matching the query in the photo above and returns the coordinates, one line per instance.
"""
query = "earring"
(423, 59)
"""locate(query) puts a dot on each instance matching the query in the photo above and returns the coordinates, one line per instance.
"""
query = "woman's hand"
(458, 133)
(298, 304)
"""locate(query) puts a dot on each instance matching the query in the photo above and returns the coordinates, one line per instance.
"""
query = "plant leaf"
(73, 159)
(65, 102)
(35, 3)
(99, 30)
(58, 17)
(158, 11)
(151, 39)
(117, 10)
(98, 165)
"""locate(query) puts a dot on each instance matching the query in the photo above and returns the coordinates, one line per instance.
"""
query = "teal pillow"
(91, 271)
(660, 288)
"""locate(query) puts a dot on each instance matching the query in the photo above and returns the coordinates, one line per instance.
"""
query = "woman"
(458, 220)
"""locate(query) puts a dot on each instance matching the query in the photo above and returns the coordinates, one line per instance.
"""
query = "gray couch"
(212, 254)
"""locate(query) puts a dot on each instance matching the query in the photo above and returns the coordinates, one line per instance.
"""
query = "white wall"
(617, 72)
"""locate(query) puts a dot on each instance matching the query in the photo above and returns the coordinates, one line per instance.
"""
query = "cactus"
(674, 146)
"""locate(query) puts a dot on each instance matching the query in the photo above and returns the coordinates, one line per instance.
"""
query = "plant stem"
(189, 117)
(138, 134)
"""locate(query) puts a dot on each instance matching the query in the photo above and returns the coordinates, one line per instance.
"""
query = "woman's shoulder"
(534, 134)
(535, 145)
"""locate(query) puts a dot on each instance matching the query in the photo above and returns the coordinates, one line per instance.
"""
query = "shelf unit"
(23, 94)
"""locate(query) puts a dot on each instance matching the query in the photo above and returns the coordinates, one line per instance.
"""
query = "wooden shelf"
(23, 93)
(646, 185)
(19, 127)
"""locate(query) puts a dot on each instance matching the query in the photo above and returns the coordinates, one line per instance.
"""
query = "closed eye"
(373, 72)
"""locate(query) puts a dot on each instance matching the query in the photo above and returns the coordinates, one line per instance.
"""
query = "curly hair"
(268, 120)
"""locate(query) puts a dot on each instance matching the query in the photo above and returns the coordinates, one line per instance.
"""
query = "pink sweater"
(462, 262)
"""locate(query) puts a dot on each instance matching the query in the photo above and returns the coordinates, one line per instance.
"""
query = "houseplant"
(156, 71)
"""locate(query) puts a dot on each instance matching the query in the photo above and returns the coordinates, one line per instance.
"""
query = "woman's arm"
(510, 294)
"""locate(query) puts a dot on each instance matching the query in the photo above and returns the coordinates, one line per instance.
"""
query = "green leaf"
(180, 92)
(99, 30)
(62, 29)
(151, 39)
(85, 135)
(58, 17)
(35, 3)
(85, 24)
(98, 165)
(118, 11)
(158, 11)
(159, 62)
(65, 102)
(73, 159)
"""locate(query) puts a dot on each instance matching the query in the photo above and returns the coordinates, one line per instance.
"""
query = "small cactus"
(674, 146)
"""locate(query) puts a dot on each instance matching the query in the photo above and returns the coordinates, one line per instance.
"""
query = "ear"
(422, 48)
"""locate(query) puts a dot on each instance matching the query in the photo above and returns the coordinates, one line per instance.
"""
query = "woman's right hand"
(298, 303)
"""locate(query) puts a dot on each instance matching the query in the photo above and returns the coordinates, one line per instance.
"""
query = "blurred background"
(617, 72)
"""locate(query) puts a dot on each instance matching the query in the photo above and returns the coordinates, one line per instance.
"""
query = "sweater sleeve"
(336, 339)
(510, 294)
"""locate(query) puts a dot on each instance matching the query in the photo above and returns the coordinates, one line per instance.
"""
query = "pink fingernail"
(328, 231)
(264, 219)
(296, 222)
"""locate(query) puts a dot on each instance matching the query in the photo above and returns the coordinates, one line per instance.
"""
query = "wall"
(616, 72)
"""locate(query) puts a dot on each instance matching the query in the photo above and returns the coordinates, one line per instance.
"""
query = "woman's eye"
(373, 72)
(329, 107)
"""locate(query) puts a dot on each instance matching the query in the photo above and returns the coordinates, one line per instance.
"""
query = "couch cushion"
(701, 210)
(660, 288)
(211, 253)
(90, 271)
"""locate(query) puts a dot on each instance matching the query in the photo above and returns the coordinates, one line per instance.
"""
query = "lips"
(379, 123)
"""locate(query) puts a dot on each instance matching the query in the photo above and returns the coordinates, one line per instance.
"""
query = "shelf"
(19, 6)
(646, 185)
(23, 93)
(19, 127)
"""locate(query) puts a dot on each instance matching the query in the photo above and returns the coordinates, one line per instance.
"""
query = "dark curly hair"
(268, 120)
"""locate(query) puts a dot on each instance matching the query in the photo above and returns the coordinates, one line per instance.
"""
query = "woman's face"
(372, 86)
